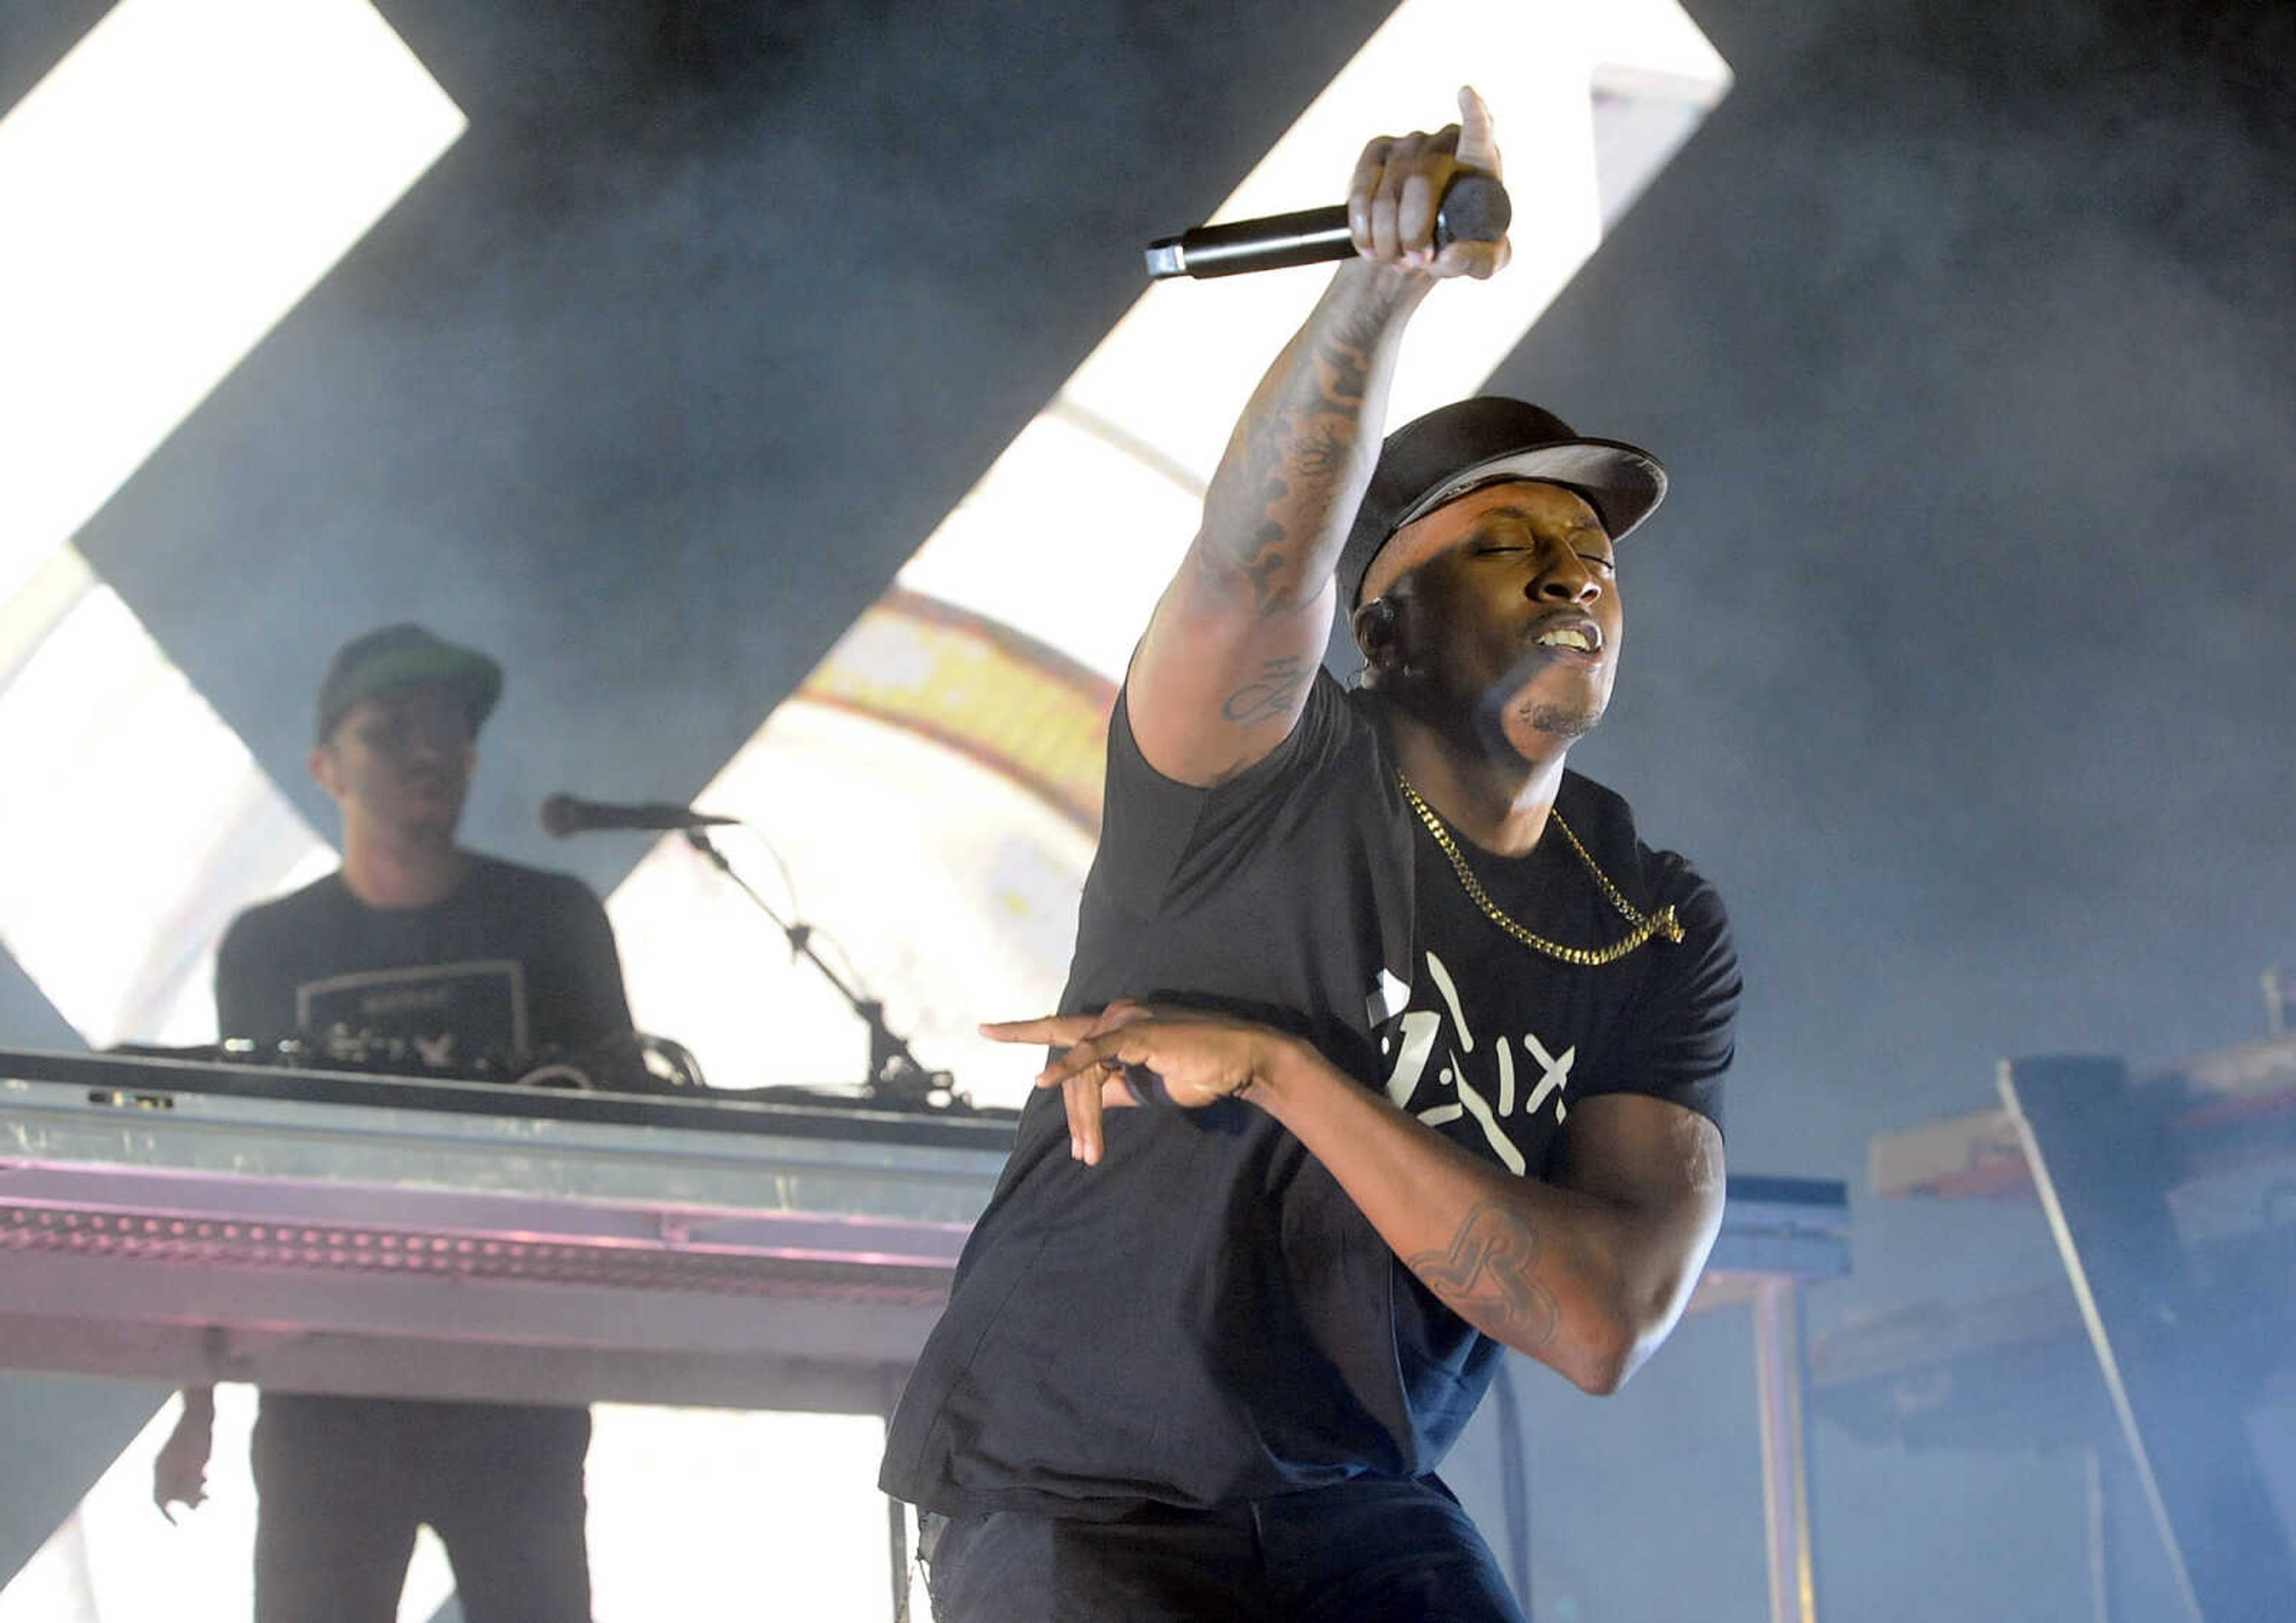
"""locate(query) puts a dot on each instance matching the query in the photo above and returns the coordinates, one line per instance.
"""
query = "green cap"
(399, 657)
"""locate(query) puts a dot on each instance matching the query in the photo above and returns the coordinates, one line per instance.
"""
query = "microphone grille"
(562, 814)
(1475, 209)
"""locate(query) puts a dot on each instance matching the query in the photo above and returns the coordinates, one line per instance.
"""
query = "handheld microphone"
(1475, 209)
(563, 815)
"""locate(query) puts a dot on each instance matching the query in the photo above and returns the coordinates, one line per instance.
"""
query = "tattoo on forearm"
(1271, 695)
(1323, 453)
(1296, 459)
(1345, 364)
(1485, 1277)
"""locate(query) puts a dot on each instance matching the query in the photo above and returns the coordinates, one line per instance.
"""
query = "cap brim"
(1624, 482)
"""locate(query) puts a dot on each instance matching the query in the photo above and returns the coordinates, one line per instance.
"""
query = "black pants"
(343, 1483)
(1358, 1553)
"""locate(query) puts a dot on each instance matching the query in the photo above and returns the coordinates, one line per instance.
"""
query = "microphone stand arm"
(895, 1075)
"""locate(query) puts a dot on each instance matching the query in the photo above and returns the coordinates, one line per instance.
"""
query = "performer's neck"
(1494, 798)
(394, 870)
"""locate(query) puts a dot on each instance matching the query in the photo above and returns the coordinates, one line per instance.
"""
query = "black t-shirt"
(1206, 1317)
(513, 961)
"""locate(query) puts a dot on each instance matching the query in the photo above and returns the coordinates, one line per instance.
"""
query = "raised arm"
(1588, 1274)
(1222, 672)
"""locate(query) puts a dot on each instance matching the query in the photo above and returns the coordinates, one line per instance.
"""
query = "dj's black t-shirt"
(511, 963)
(1206, 1317)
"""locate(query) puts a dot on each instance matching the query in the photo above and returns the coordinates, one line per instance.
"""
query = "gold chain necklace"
(1661, 923)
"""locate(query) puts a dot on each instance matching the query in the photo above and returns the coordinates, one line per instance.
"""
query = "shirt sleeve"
(602, 1006)
(1162, 841)
(238, 995)
(1682, 1032)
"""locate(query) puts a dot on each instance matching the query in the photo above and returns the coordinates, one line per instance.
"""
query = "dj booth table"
(334, 1231)
(322, 1231)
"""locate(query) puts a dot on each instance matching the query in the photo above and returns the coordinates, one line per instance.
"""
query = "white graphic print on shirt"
(451, 1012)
(1494, 1091)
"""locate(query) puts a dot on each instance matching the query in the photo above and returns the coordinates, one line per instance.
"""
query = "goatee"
(1569, 723)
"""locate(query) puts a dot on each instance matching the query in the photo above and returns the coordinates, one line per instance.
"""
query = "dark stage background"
(1960, 656)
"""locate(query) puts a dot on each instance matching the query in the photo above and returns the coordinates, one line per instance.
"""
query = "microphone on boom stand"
(895, 1078)
(563, 815)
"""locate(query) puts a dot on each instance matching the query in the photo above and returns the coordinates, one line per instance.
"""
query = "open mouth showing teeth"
(1566, 636)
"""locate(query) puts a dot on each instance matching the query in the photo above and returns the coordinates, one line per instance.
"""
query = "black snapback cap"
(1460, 448)
(395, 657)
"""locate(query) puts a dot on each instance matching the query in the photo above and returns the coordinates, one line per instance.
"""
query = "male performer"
(1431, 1042)
(466, 957)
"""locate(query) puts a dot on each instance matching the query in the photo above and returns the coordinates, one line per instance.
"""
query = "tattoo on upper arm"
(1267, 566)
(1485, 1277)
(1271, 695)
